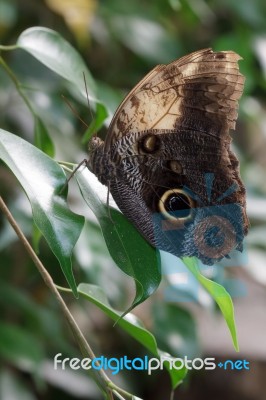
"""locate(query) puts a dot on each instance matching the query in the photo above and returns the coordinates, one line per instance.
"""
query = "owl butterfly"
(167, 159)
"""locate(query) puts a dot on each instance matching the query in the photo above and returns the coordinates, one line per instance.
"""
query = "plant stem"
(118, 391)
(100, 377)
(7, 48)
(17, 85)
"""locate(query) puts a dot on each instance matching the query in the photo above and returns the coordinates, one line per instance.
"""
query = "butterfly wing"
(203, 86)
(167, 157)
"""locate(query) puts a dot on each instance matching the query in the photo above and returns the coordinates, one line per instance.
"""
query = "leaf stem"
(7, 48)
(120, 392)
(17, 84)
(100, 377)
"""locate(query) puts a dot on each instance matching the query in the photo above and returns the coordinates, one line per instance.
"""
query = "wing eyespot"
(150, 144)
(177, 206)
(175, 166)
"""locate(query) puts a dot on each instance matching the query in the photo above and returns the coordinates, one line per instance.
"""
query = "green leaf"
(100, 115)
(43, 179)
(42, 138)
(147, 38)
(18, 346)
(13, 386)
(219, 294)
(56, 53)
(130, 324)
(130, 251)
(175, 329)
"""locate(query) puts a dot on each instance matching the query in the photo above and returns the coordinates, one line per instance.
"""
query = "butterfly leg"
(108, 202)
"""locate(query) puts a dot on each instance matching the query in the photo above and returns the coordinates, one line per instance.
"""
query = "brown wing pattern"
(201, 84)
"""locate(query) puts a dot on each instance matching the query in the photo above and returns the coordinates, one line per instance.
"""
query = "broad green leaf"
(42, 138)
(40, 319)
(219, 294)
(175, 329)
(100, 115)
(13, 386)
(130, 251)
(56, 53)
(19, 346)
(146, 38)
(42, 179)
(130, 324)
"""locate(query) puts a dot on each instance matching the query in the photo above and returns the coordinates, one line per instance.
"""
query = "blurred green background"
(120, 42)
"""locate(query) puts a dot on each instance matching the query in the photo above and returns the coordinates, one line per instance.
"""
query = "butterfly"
(167, 159)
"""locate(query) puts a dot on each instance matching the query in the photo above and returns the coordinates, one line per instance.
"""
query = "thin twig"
(100, 377)
(8, 48)
(17, 85)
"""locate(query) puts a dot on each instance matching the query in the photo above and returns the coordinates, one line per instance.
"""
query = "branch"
(100, 377)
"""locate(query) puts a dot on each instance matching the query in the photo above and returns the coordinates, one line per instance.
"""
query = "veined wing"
(196, 92)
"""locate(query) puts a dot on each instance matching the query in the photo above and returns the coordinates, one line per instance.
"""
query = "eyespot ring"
(177, 206)
(226, 232)
(175, 166)
(150, 144)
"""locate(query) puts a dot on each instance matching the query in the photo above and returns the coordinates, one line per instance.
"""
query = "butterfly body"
(167, 159)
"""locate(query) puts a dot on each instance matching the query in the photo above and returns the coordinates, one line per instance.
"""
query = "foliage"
(122, 42)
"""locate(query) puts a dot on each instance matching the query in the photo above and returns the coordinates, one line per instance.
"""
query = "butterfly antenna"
(87, 95)
(74, 111)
